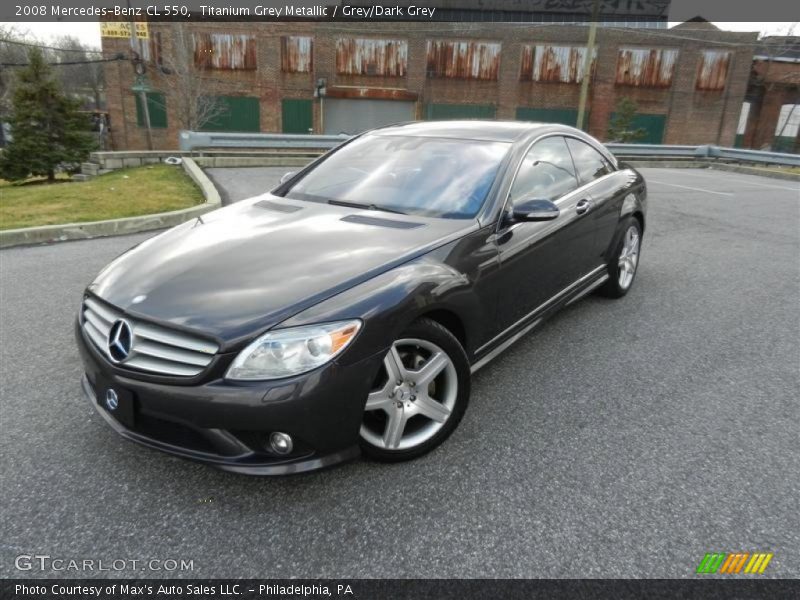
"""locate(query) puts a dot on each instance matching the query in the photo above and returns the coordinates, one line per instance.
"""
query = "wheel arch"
(450, 320)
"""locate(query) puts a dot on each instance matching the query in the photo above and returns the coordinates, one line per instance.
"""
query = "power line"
(66, 63)
(44, 47)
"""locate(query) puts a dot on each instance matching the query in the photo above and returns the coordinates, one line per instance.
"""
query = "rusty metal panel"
(225, 51)
(365, 56)
(559, 64)
(646, 67)
(463, 60)
(149, 49)
(712, 73)
(297, 54)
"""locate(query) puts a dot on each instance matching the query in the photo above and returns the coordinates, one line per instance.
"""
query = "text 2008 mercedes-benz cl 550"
(346, 309)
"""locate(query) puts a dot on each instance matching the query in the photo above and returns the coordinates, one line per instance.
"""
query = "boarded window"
(544, 63)
(361, 56)
(463, 60)
(234, 113)
(224, 51)
(712, 72)
(297, 54)
(459, 111)
(646, 67)
(149, 49)
(156, 106)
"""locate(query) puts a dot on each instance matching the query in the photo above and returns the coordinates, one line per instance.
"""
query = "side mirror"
(287, 176)
(536, 209)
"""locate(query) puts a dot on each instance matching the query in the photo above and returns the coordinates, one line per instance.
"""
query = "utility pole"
(587, 65)
(140, 85)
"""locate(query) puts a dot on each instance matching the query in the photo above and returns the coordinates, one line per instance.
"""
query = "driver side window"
(546, 172)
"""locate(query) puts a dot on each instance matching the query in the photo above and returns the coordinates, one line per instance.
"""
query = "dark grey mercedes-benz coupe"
(347, 308)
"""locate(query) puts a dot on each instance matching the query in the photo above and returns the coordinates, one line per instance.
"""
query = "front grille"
(153, 349)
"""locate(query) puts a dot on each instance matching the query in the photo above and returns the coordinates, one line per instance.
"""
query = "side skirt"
(551, 305)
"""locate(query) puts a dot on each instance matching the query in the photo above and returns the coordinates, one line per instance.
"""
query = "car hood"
(242, 269)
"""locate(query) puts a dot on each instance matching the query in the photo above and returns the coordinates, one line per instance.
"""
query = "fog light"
(281, 443)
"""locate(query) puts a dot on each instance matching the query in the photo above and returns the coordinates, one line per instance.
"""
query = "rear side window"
(589, 163)
(546, 172)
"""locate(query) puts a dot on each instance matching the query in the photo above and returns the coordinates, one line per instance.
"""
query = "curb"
(219, 162)
(92, 229)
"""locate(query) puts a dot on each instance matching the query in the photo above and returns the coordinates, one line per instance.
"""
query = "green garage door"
(459, 111)
(652, 124)
(156, 108)
(235, 113)
(296, 116)
(565, 116)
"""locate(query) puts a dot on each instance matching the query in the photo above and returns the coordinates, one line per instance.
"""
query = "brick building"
(689, 82)
(770, 117)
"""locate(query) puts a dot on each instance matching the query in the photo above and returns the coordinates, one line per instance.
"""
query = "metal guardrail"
(193, 140)
(705, 152)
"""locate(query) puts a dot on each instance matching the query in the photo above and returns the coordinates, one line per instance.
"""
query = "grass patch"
(124, 193)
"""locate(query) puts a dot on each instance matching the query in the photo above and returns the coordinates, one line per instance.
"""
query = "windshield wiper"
(367, 206)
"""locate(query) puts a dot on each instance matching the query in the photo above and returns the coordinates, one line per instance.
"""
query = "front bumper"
(227, 424)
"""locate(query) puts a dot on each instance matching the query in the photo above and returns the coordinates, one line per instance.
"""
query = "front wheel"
(419, 394)
(625, 260)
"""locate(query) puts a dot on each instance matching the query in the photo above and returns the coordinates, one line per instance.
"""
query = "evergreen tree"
(621, 127)
(48, 131)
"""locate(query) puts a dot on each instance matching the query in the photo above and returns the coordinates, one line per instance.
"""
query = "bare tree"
(86, 79)
(186, 85)
(13, 51)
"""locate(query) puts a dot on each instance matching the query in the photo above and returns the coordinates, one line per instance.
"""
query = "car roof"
(496, 131)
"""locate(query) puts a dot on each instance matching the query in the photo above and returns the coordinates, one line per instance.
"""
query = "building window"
(233, 113)
(156, 106)
(363, 56)
(463, 60)
(741, 128)
(712, 72)
(297, 54)
(646, 67)
(149, 49)
(225, 51)
(787, 128)
(560, 64)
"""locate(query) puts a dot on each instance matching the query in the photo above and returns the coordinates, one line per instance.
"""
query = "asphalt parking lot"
(623, 439)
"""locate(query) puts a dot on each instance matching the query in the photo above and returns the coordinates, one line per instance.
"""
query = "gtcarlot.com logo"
(45, 562)
(734, 563)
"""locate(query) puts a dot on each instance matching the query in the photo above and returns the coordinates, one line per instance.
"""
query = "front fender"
(389, 302)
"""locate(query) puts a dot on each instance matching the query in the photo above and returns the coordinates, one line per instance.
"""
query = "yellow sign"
(122, 29)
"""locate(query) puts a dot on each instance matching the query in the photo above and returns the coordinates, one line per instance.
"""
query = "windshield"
(434, 177)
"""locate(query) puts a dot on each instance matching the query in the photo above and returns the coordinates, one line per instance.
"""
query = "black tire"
(430, 331)
(613, 288)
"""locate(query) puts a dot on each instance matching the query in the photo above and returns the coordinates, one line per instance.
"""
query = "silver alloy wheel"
(416, 391)
(629, 257)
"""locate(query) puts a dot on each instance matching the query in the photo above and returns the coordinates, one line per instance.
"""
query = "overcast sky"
(89, 32)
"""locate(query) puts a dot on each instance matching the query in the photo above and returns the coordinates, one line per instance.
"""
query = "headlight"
(286, 352)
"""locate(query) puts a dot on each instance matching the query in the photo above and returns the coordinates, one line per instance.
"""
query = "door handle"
(583, 206)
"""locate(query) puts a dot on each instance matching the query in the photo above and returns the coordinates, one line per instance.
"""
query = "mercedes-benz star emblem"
(112, 400)
(120, 338)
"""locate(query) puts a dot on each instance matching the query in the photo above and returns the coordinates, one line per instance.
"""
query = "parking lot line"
(687, 187)
(749, 181)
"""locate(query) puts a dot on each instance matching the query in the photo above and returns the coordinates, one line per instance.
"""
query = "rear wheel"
(625, 260)
(419, 394)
